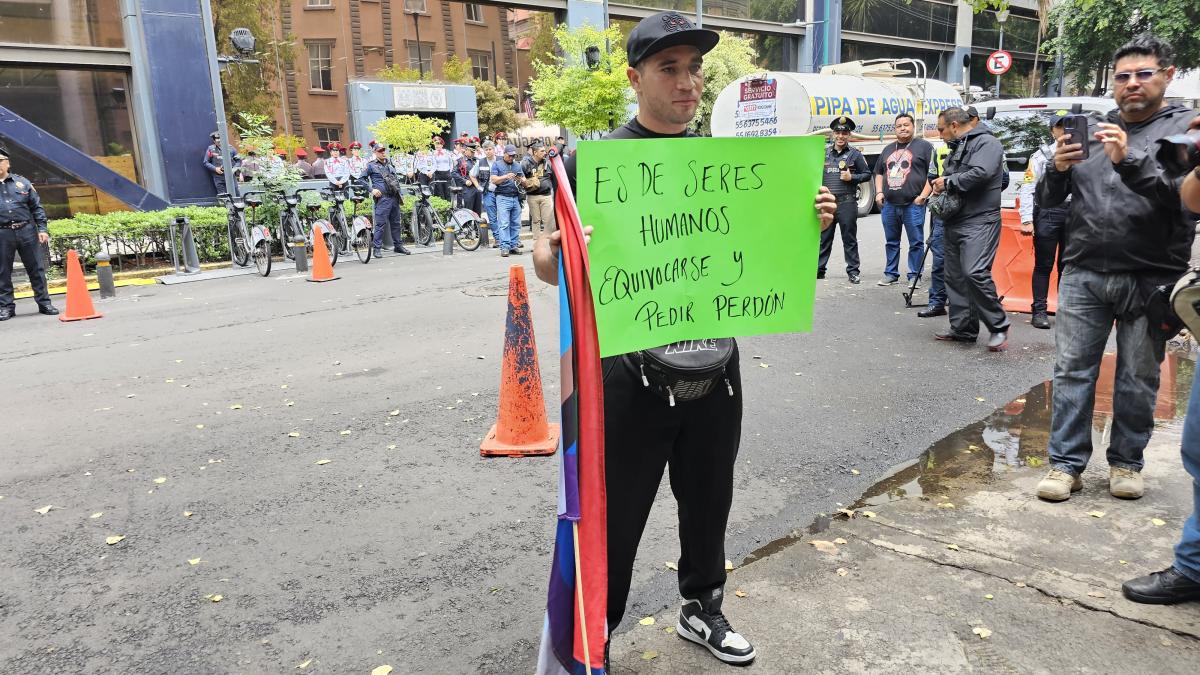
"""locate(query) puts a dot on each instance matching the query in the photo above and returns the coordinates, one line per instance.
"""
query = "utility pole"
(1001, 17)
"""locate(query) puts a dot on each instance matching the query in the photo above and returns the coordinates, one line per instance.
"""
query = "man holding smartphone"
(1127, 234)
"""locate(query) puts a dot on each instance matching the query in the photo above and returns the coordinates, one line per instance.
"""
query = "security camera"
(243, 41)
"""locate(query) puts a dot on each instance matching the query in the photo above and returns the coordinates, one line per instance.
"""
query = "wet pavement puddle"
(1015, 435)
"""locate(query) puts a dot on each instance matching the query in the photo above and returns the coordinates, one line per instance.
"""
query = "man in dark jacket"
(973, 175)
(1127, 233)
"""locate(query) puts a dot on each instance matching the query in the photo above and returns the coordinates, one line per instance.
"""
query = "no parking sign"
(998, 62)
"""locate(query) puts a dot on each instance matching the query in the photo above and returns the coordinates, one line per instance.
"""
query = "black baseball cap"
(972, 112)
(664, 30)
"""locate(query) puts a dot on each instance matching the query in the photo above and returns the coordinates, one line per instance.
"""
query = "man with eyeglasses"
(22, 231)
(1127, 234)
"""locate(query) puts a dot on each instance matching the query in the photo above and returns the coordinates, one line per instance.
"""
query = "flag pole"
(587, 657)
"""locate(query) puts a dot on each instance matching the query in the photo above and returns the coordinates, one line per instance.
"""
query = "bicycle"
(427, 221)
(247, 242)
(356, 233)
(292, 226)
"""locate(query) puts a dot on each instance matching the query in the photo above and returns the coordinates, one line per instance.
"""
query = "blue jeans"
(937, 285)
(508, 210)
(912, 218)
(1088, 304)
(489, 207)
(1187, 551)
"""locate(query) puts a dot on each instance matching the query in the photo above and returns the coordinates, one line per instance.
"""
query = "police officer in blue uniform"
(213, 162)
(22, 231)
(385, 189)
(845, 168)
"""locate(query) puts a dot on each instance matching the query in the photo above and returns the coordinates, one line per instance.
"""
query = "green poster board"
(700, 238)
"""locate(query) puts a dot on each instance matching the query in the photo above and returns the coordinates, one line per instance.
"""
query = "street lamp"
(591, 56)
(415, 7)
(1001, 17)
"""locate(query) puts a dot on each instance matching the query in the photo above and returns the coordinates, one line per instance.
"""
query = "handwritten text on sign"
(700, 238)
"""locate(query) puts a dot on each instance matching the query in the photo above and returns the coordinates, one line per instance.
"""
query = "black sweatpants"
(969, 251)
(699, 440)
(1049, 226)
(846, 218)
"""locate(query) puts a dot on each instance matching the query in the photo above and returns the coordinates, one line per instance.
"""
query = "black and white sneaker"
(701, 621)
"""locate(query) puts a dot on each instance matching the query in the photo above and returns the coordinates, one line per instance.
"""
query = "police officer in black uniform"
(22, 231)
(845, 168)
(213, 161)
(643, 433)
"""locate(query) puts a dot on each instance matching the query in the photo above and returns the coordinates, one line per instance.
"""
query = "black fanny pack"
(687, 370)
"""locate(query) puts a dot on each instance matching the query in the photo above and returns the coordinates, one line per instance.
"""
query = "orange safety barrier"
(521, 427)
(322, 270)
(1013, 269)
(79, 301)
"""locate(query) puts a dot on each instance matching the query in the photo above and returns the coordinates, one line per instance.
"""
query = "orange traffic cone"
(321, 269)
(521, 427)
(79, 301)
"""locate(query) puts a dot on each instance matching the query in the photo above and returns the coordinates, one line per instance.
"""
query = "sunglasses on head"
(1142, 75)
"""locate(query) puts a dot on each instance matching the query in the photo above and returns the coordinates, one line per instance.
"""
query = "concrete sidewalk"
(950, 565)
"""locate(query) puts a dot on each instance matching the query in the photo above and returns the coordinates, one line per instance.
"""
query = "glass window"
(1021, 81)
(88, 109)
(415, 7)
(481, 65)
(66, 23)
(853, 50)
(473, 12)
(319, 3)
(320, 66)
(328, 134)
(420, 57)
(917, 20)
(1020, 33)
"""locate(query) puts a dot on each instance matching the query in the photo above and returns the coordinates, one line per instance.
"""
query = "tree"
(732, 58)
(456, 69)
(398, 73)
(541, 48)
(251, 87)
(407, 133)
(571, 95)
(497, 106)
(1093, 29)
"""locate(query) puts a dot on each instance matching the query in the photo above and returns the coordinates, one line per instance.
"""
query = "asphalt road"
(406, 548)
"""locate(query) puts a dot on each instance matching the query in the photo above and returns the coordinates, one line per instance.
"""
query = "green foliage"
(253, 125)
(541, 49)
(1094, 29)
(250, 87)
(274, 177)
(570, 95)
(398, 73)
(138, 235)
(497, 107)
(289, 144)
(407, 133)
(456, 70)
(732, 58)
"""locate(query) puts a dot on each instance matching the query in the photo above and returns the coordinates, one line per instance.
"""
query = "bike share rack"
(191, 260)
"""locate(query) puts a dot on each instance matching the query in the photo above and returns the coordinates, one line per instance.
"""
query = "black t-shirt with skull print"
(905, 169)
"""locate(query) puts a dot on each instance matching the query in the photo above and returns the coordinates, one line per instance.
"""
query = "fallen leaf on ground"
(199, 426)
(45, 509)
(980, 399)
(345, 432)
(945, 505)
(868, 514)
(672, 566)
(824, 546)
(217, 598)
(394, 413)
(236, 406)
(1034, 461)
(952, 547)
(392, 446)
(1021, 584)
(840, 541)
(291, 403)
(849, 512)
(1158, 522)
(303, 664)
(294, 434)
(669, 629)
(989, 596)
(160, 480)
(1096, 514)
(187, 514)
(728, 566)
(170, 380)
(982, 631)
(321, 462)
(194, 561)
(648, 655)
(114, 539)
(1123, 562)
(854, 472)
(842, 571)
(96, 514)
(740, 593)
(648, 621)
(381, 670)
(1096, 594)
(764, 365)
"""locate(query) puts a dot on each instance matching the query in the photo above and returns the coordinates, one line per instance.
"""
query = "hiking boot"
(887, 280)
(701, 621)
(1162, 588)
(1125, 483)
(1040, 320)
(1058, 485)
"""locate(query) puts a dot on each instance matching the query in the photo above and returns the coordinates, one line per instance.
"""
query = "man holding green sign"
(688, 254)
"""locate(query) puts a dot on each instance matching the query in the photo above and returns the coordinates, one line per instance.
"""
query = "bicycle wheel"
(342, 229)
(424, 225)
(466, 233)
(288, 227)
(362, 245)
(238, 244)
(332, 245)
(262, 257)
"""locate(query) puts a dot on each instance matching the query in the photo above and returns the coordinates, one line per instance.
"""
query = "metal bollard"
(191, 260)
(104, 275)
(300, 251)
(483, 234)
(448, 240)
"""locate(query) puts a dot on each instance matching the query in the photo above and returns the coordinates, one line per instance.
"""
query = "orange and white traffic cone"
(79, 300)
(521, 427)
(322, 270)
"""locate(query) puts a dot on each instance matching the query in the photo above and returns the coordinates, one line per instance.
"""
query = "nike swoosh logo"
(699, 626)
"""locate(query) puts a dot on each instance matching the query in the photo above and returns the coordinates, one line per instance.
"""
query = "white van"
(1023, 125)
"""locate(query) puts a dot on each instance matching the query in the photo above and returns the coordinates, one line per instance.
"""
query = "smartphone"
(1076, 128)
